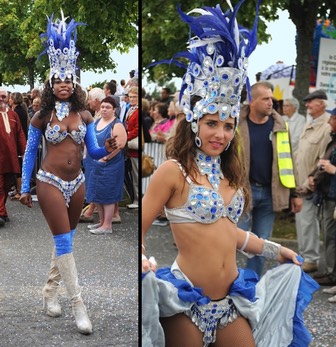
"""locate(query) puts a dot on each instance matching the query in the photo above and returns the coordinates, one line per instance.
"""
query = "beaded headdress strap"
(61, 47)
(217, 68)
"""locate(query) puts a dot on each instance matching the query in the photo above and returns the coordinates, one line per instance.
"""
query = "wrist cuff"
(271, 250)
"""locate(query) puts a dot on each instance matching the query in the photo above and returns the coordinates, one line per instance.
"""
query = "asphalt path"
(108, 274)
(319, 317)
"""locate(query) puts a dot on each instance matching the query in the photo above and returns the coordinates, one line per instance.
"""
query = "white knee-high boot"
(67, 268)
(49, 291)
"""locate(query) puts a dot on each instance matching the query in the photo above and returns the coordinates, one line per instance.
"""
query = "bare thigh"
(180, 331)
(235, 334)
(59, 218)
(76, 206)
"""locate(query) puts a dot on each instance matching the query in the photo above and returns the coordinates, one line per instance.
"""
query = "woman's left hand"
(26, 199)
(111, 144)
(287, 254)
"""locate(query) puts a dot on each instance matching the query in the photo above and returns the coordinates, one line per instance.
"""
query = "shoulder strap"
(113, 123)
(182, 170)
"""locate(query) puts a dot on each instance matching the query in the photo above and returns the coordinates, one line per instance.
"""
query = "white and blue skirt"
(273, 305)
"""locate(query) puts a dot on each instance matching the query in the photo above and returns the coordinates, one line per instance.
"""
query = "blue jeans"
(260, 221)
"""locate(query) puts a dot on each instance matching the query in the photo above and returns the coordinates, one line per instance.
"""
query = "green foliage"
(164, 34)
(110, 25)
(98, 84)
(155, 94)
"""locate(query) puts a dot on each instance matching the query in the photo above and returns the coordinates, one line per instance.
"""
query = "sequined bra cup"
(54, 135)
(205, 205)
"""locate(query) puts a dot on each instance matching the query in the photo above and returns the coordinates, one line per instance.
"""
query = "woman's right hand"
(111, 144)
(148, 264)
(26, 199)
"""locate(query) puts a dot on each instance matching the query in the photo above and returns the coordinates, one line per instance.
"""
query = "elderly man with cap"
(312, 144)
(323, 180)
(295, 120)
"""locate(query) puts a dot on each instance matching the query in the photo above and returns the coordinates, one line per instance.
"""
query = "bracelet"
(271, 250)
(143, 247)
(144, 257)
(246, 241)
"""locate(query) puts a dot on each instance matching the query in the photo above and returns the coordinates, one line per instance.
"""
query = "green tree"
(110, 25)
(164, 34)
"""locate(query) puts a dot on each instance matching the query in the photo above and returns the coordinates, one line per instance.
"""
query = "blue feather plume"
(213, 24)
(60, 32)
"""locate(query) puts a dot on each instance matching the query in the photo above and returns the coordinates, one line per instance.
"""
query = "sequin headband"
(218, 60)
(61, 47)
(219, 88)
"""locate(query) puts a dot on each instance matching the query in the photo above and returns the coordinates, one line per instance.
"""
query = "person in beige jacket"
(312, 144)
(258, 128)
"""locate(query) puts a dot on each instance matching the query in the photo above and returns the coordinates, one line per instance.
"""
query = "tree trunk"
(303, 14)
(31, 68)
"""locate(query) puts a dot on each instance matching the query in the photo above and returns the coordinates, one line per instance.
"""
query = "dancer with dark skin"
(66, 127)
(64, 148)
(64, 160)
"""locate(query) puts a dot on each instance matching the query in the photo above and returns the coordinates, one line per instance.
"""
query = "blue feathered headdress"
(61, 48)
(217, 68)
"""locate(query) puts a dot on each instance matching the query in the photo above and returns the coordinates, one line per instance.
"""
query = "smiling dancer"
(60, 181)
(203, 298)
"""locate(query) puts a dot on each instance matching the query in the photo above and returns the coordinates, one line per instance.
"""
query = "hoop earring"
(198, 141)
(227, 147)
(53, 90)
(73, 90)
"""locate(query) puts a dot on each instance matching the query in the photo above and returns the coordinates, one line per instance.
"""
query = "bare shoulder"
(86, 116)
(38, 122)
(168, 172)
(170, 166)
(164, 183)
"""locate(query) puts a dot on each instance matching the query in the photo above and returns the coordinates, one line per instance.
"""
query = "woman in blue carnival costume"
(60, 181)
(203, 299)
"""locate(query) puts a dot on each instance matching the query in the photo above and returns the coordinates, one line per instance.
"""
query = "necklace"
(209, 166)
(62, 109)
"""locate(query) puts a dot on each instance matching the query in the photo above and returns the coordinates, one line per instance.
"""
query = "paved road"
(108, 274)
(320, 316)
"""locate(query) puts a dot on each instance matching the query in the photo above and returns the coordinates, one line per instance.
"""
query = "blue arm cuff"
(34, 137)
(92, 147)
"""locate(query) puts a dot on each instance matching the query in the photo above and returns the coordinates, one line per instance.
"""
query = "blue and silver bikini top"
(54, 135)
(205, 205)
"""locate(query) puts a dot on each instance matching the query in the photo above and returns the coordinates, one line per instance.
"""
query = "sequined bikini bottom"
(68, 188)
(209, 317)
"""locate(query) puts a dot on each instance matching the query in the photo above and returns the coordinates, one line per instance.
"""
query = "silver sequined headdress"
(61, 47)
(217, 68)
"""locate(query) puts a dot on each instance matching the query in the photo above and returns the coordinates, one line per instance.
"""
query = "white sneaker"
(332, 299)
(100, 231)
(93, 226)
(331, 290)
(161, 223)
(132, 206)
(34, 198)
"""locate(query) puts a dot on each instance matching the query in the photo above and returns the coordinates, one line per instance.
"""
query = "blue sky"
(281, 46)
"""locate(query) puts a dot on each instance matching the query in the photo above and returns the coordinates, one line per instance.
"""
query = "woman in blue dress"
(106, 184)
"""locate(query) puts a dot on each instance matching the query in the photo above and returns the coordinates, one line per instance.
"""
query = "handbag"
(133, 144)
(147, 165)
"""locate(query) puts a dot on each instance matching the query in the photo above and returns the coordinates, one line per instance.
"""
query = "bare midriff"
(207, 255)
